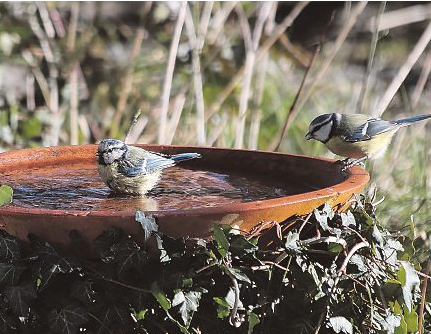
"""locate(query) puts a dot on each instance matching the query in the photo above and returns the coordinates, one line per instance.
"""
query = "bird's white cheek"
(323, 133)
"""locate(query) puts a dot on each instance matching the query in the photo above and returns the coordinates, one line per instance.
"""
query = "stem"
(374, 40)
(404, 71)
(233, 314)
(163, 120)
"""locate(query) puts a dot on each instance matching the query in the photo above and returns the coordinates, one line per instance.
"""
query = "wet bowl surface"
(57, 190)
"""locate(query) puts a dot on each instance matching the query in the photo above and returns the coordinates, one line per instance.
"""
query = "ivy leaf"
(160, 296)
(291, 242)
(129, 255)
(104, 242)
(240, 246)
(377, 235)
(222, 242)
(54, 264)
(341, 324)
(10, 273)
(189, 302)
(412, 319)
(19, 297)
(224, 305)
(10, 248)
(390, 323)
(402, 328)
(322, 216)
(83, 291)
(239, 275)
(253, 320)
(6, 194)
(8, 322)
(348, 219)
(149, 224)
(174, 248)
(113, 317)
(67, 320)
(409, 280)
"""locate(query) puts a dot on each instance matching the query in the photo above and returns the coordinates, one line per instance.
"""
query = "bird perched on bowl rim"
(132, 170)
(357, 136)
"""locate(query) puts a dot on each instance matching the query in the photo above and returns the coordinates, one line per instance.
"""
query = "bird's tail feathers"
(410, 120)
(185, 156)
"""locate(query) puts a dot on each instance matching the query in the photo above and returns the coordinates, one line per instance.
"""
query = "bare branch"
(404, 71)
(163, 117)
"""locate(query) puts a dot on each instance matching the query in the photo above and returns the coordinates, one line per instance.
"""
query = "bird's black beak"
(308, 136)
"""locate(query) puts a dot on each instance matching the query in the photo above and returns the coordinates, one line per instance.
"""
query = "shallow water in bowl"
(79, 188)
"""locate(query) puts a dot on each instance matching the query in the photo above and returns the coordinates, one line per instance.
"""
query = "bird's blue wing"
(130, 169)
(371, 128)
(157, 162)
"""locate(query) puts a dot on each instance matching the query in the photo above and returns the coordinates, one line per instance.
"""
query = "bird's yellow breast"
(373, 148)
(138, 185)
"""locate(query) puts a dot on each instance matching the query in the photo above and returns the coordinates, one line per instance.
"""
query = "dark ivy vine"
(324, 273)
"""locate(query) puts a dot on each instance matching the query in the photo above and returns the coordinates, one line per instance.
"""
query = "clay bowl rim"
(357, 178)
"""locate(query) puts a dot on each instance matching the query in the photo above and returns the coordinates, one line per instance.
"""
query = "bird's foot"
(357, 162)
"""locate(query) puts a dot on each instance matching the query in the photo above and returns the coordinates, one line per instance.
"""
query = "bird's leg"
(359, 161)
(343, 162)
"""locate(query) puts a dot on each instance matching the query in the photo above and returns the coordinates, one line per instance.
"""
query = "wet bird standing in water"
(132, 170)
(357, 136)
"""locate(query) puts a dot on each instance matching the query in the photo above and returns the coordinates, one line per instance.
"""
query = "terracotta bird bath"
(57, 189)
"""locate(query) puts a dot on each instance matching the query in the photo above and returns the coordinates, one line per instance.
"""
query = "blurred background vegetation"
(229, 74)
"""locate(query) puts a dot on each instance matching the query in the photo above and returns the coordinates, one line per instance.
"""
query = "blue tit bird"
(132, 170)
(356, 136)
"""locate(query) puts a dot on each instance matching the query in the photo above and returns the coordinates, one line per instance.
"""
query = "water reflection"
(80, 188)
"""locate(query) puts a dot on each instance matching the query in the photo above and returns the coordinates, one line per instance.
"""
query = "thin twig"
(336, 47)
(404, 71)
(178, 107)
(204, 23)
(287, 22)
(163, 117)
(219, 20)
(374, 41)
(127, 84)
(233, 313)
(292, 109)
(248, 69)
(30, 92)
(197, 78)
(73, 80)
(354, 249)
(420, 85)
(260, 82)
(402, 16)
(132, 126)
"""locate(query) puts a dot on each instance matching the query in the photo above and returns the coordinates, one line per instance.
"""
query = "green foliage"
(6, 194)
(332, 273)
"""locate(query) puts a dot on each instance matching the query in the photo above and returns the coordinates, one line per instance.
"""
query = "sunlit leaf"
(189, 303)
(6, 194)
(411, 318)
(160, 296)
(410, 282)
(253, 320)
(220, 238)
(341, 325)
(148, 224)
